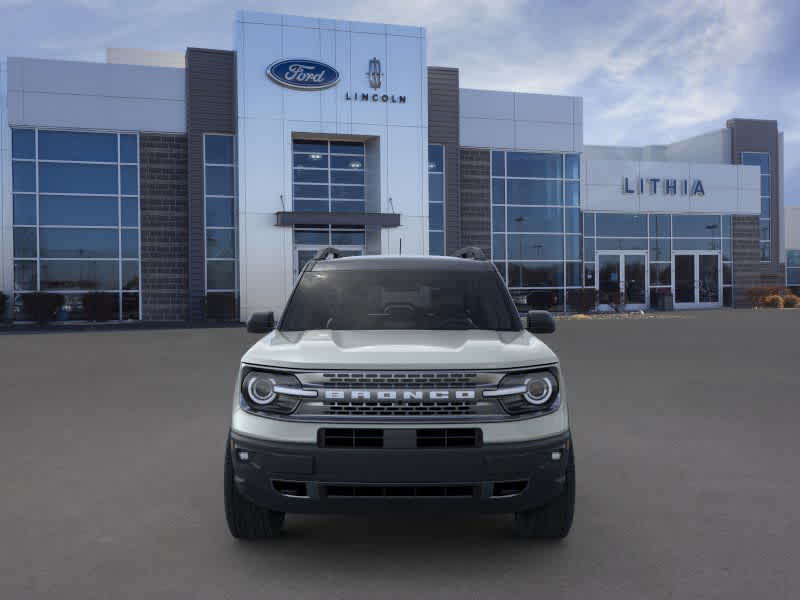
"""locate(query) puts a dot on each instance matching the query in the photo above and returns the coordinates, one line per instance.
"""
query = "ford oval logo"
(303, 74)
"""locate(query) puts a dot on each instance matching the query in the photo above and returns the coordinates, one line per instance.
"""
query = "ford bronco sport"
(399, 382)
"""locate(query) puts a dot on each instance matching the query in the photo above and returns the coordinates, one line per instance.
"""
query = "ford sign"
(303, 74)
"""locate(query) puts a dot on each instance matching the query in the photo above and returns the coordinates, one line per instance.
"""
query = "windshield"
(400, 299)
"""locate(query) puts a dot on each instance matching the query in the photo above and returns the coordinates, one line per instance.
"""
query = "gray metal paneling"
(210, 108)
(443, 128)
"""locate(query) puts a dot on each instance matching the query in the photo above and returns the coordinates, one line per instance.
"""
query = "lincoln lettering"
(667, 186)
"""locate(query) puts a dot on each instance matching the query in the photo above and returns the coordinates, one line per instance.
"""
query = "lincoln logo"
(374, 74)
(303, 74)
(404, 395)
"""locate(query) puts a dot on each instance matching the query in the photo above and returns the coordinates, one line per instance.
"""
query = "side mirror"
(261, 322)
(541, 321)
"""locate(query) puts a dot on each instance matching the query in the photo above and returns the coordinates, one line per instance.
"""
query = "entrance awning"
(287, 219)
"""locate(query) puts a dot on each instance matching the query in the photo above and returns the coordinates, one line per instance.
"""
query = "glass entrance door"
(697, 279)
(622, 279)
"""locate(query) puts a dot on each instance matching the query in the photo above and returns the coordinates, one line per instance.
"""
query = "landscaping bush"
(758, 295)
(773, 301)
(99, 306)
(41, 306)
(3, 306)
(790, 301)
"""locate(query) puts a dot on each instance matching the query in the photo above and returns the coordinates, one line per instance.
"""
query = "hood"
(394, 349)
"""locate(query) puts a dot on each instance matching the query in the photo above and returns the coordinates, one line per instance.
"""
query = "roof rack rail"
(470, 252)
(328, 253)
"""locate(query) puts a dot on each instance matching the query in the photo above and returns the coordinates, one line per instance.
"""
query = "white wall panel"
(486, 133)
(541, 107)
(486, 104)
(540, 135)
(407, 80)
(363, 47)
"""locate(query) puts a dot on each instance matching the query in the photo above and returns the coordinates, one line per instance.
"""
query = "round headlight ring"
(261, 389)
(538, 389)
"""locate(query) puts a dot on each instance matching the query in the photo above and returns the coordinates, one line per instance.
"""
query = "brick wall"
(476, 220)
(165, 227)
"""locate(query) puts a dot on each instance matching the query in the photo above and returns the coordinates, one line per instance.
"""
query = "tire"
(554, 519)
(247, 521)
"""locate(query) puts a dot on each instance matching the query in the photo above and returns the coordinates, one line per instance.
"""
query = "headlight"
(265, 391)
(527, 392)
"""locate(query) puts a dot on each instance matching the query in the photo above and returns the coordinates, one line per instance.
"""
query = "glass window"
(219, 149)
(25, 275)
(498, 247)
(660, 274)
(130, 275)
(660, 226)
(727, 297)
(311, 205)
(727, 249)
(312, 146)
(695, 244)
(219, 212)
(219, 181)
(530, 164)
(312, 175)
(311, 237)
(23, 143)
(24, 209)
(696, 225)
(25, 242)
(727, 226)
(436, 187)
(572, 246)
(660, 249)
(347, 206)
(319, 161)
(621, 243)
(530, 191)
(77, 210)
(621, 225)
(765, 250)
(347, 148)
(498, 191)
(572, 220)
(220, 243)
(130, 212)
(66, 178)
(765, 185)
(435, 158)
(572, 193)
(436, 216)
(588, 274)
(498, 218)
(588, 224)
(765, 208)
(535, 247)
(348, 238)
(536, 219)
(55, 242)
(759, 159)
(588, 249)
(436, 243)
(23, 176)
(345, 162)
(128, 148)
(536, 274)
(130, 307)
(78, 146)
(129, 176)
(80, 275)
(763, 229)
(357, 177)
(310, 191)
(727, 273)
(498, 163)
(130, 243)
(221, 274)
(793, 258)
(347, 192)
(573, 166)
(573, 274)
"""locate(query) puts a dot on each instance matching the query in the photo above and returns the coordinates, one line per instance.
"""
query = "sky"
(649, 72)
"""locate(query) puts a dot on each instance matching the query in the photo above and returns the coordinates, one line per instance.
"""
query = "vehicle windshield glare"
(400, 299)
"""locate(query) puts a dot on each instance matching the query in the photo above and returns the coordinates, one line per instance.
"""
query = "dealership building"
(195, 186)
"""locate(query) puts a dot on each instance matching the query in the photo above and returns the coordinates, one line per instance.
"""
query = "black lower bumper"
(304, 478)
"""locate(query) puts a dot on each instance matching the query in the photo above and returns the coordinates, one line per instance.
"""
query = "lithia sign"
(667, 186)
(306, 74)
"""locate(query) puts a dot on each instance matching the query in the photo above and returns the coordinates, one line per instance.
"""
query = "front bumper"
(305, 478)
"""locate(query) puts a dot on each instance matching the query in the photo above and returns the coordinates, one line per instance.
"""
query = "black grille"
(400, 408)
(297, 489)
(351, 438)
(508, 488)
(448, 438)
(400, 491)
(398, 380)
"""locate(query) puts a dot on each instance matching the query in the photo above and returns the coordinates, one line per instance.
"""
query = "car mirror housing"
(541, 321)
(261, 322)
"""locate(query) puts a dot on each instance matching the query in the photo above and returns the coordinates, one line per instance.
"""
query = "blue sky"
(649, 72)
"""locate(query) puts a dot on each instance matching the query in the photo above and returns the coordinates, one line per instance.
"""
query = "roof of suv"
(368, 263)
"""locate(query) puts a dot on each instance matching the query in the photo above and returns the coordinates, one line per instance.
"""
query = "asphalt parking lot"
(688, 481)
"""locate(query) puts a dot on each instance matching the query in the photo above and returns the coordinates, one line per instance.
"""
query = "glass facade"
(761, 160)
(309, 239)
(793, 268)
(660, 235)
(76, 218)
(221, 223)
(436, 199)
(536, 225)
(328, 176)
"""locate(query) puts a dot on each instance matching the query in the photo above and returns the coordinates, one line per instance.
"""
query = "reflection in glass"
(24, 209)
(221, 274)
(25, 242)
(25, 275)
(77, 146)
(531, 164)
(80, 275)
(77, 210)
(532, 274)
(621, 225)
(535, 247)
(67, 178)
(220, 243)
(57, 242)
(219, 149)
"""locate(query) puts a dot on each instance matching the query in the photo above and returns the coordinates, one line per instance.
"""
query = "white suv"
(399, 382)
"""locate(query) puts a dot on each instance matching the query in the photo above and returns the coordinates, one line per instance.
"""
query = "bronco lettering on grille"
(399, 395)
